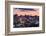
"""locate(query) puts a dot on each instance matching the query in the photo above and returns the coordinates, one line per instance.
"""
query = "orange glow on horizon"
(26, 12)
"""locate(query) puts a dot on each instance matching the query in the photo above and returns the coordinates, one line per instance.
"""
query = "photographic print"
(25, 17)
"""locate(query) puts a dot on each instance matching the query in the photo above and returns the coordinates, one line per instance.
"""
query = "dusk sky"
(23, 11)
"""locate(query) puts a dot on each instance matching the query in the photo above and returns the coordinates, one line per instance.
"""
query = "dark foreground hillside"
(25, 21)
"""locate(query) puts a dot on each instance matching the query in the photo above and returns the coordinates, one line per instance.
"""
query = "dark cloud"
(31, 9)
